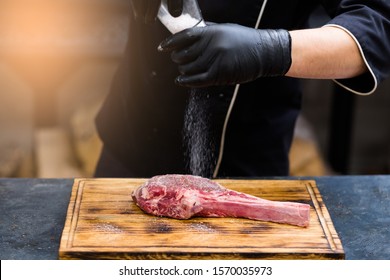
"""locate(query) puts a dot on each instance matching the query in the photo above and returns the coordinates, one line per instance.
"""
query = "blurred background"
(57, 60)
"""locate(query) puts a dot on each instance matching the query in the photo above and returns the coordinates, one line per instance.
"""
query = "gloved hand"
(146, 10)
(227, 54)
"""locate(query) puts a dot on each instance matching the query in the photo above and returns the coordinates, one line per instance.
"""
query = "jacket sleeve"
(368, 23)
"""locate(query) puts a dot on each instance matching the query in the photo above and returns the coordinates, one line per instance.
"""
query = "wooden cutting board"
(104, 223)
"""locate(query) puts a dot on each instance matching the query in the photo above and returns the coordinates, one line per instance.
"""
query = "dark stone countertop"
(33, 212)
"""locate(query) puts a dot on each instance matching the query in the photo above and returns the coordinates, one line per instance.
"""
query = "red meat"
(185, 196)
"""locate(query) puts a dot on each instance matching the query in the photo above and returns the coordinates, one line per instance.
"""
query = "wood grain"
(104, 223)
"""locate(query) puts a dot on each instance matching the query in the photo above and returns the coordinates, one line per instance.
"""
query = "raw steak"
(185, 196)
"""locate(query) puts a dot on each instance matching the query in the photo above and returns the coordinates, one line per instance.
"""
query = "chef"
(175, 107)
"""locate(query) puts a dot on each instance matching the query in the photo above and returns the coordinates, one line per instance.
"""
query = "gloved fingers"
(199, 73)
(186, 55)
(199, 80)
(192, 68)
(199, 65)
(181, 40)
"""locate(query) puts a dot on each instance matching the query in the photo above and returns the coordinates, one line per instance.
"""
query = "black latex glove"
(146, 10)
(227, 54)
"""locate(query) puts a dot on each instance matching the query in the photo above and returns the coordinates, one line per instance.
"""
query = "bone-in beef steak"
(185, 196)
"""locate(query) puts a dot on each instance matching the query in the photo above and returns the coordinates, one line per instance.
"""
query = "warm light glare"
(34, 25)
(42, 37)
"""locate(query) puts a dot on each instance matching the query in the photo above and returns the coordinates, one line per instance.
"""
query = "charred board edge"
(198, 256)
(325, 219)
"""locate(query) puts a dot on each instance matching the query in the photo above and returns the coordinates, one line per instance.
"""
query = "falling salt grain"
(197, 134)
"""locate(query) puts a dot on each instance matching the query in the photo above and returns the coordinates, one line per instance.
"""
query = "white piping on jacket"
(236, 89)
(364, 59)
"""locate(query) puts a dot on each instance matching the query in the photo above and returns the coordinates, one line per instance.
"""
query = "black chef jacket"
(141, 121)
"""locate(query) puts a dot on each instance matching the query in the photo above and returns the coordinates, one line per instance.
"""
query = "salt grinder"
(191, 16)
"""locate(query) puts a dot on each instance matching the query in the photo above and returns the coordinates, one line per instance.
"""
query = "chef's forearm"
(325, 53)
